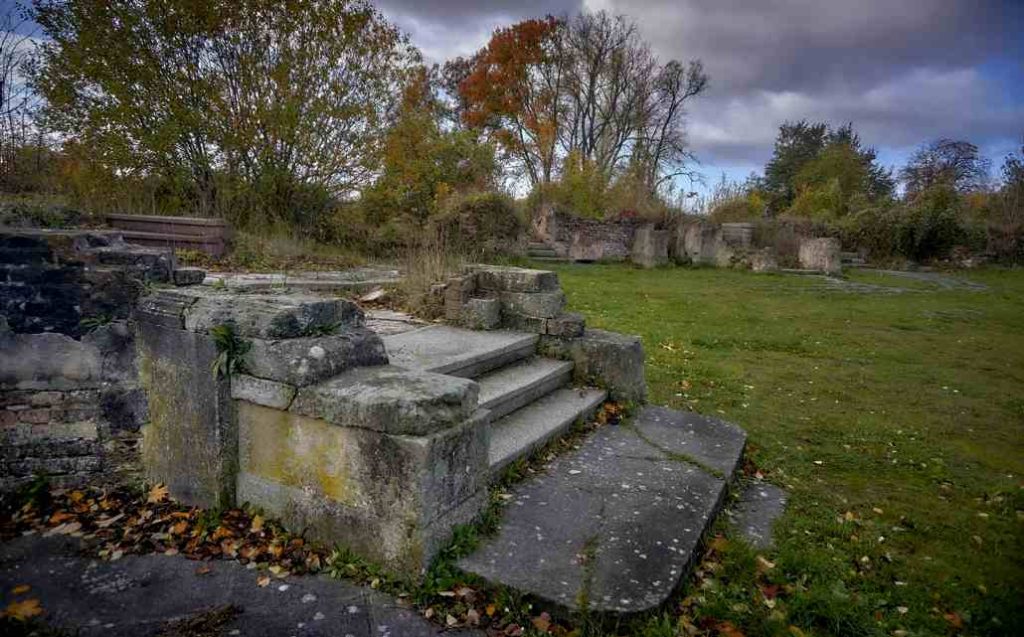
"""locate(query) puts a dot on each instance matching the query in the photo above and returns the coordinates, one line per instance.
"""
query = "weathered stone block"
(481, 314)
(539, 304)
(304, 361)
(821, 254)
(698, 242)
(509, 279)
(391, 498)
(650, 247)
(191, 441)
(458, 290)
(390, 399)
(269, 316)
(606, 359)
(568, 325)
(189, 276)
(263, 392)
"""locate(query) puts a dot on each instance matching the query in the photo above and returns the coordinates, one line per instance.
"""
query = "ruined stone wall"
(70, 404)
(585, 239)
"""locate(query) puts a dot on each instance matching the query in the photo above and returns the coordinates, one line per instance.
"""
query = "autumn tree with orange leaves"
(588, 91)
(513, 91)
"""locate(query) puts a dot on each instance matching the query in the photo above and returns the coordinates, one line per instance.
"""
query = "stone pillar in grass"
(821, 254)
(650, 247)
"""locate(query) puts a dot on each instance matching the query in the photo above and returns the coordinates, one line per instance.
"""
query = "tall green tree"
(814, 165)
(279, 96)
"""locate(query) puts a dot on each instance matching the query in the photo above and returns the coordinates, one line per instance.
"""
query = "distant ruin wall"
(70, 404)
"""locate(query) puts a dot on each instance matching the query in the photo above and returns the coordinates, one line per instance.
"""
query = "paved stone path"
(616, 524)
(138, 596)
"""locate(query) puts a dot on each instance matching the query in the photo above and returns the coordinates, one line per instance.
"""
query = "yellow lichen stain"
(297, 451)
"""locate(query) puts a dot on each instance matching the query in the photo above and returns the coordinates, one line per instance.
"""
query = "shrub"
(481, 225)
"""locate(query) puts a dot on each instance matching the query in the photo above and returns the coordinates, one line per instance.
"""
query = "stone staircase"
(542, 251)
(528, 397)
(386, 442)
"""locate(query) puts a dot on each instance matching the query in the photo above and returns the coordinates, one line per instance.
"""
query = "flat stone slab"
(615, 525)
(459, 352)
(137, 596)
(755, 511)
(713, 443)
(337, 281)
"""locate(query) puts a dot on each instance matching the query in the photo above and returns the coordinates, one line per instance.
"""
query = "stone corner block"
(309, 360)
(390, 399)
(538, 304)
(605, 359)
(512, 279)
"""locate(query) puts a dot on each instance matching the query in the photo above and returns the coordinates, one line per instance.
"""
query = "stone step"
(527, 429)
(509, 388)
(616, 524)
(538, 244)
(458, 352)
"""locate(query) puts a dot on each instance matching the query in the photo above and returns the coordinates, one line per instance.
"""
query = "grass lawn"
(895, 420)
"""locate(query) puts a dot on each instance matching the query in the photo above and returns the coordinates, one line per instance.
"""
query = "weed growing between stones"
(231, 348)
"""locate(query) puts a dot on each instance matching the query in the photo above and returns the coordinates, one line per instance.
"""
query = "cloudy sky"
(903, 71)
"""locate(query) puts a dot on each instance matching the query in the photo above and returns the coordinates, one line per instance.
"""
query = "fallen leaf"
(542, 622)
(105, 522)
(473, 617)
(20, 588)
(179, 528)
(796, 632)
(763, 564)
(257, 524)
(490, 610)
(25, 609)
(954, 620)
(61, 516)
(157, 494)
(280, 571)
(450, 620)
(263, 581)
(727, 629)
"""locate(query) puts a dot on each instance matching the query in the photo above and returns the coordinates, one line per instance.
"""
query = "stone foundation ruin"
(116, 366)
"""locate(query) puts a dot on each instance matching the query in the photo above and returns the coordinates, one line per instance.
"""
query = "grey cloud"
(443, 30)
(903, 71)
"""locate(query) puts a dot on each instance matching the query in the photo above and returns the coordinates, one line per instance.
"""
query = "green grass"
(905, 411)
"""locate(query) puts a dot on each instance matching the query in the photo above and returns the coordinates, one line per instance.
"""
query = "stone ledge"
(390, 399)
(305, 361)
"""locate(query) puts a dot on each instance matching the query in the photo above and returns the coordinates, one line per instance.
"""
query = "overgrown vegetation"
(826, 179)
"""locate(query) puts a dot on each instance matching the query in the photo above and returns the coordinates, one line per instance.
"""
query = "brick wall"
(70, 404)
